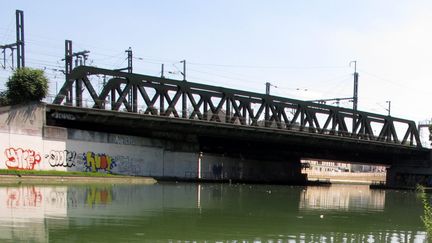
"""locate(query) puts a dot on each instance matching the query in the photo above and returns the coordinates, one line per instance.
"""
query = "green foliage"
(427, 210)
(3, 98)
(26, 85)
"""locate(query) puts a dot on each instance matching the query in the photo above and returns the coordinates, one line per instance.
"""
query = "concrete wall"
(216, 167)
(26, 143)
(409, 176)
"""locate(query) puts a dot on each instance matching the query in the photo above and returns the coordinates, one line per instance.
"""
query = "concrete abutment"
(27, 142)
(409, 176)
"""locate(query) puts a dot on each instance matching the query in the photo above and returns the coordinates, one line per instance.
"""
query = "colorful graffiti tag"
(21, 159)
(27, 159)
(65, 158)
(98, 162)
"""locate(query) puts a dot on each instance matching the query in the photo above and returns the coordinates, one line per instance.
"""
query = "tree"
(427, 210)
(3, 98)
(26, 85)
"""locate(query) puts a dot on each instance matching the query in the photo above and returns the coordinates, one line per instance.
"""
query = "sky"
(303, 48)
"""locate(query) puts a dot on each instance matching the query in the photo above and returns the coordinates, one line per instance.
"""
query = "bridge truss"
(154, 96)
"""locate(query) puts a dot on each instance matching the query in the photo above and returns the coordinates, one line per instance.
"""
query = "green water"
(171, 212)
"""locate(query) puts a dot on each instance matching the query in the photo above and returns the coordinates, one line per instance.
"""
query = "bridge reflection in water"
(208, 212)
(342, 197)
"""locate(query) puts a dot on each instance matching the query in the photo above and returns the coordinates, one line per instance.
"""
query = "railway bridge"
(259, 136)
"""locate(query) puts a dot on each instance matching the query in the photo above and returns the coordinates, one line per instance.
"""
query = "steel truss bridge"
(167, 98)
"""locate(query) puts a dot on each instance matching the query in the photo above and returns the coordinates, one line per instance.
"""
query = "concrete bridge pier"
(219, 167)
(408, 175)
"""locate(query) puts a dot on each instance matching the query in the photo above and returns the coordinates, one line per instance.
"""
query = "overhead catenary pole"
(355, 93)
(267, 88)
(184, 96)
(162, 71)
(184, 69)
(68, 58)
(20, 38)
(389, 107)
(18, 45)
(80, 59)
(4, 59)
(12, 56)
(68, 69)
(129, 58)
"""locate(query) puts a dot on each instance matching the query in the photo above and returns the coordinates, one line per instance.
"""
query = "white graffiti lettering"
(63, 116)
(65, 158)
(125, 140)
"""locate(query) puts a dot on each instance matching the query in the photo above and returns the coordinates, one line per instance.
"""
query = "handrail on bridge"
(188, 100)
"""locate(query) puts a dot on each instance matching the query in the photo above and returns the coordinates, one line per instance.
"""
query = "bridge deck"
(245, 141)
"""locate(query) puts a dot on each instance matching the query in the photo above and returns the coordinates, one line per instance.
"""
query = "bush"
(26, 85)
(427, 210)
(3, 98)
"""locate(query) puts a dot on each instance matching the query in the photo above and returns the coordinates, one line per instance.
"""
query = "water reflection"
(342, 197)
(207, 212)
(98, 195)
(23, 211)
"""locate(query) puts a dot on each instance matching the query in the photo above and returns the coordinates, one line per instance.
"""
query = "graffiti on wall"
(28, 196)
(124, 140)
(27, 159)
(65, 158)
(21, 159)
(63, 116)
(98, 162)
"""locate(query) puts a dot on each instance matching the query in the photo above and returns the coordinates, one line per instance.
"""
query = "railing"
(181, 99)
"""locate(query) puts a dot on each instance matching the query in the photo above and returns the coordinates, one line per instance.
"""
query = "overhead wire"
(401, 85)
(156, 60)
(192, 72)
(265, 67)
(8, 32)
(230, 77)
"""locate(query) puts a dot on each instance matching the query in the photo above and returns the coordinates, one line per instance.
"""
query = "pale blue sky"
(243, 44)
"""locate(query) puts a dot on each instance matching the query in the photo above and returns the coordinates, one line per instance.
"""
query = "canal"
(187, 212)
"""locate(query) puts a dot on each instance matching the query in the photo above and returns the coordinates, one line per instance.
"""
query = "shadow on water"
(213, 212)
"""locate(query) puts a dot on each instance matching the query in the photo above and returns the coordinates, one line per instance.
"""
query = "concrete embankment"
(347, 177)
(47, 179)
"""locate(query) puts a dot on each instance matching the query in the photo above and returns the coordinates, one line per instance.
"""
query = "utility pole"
(355, 95)
(19, 44)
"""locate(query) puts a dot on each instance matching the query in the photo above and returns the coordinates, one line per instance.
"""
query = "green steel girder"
(180, 99)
